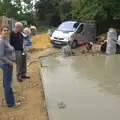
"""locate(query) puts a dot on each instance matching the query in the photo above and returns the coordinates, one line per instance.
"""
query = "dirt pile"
(101, 38)
(41, 41)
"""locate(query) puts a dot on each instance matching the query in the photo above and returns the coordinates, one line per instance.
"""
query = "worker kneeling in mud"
(66, 50)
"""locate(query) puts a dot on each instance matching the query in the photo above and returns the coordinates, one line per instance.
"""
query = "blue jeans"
(7, 83)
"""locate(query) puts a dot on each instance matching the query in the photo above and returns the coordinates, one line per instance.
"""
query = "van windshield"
(68, 26)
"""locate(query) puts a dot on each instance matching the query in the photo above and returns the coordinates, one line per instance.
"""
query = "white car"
(73, 32)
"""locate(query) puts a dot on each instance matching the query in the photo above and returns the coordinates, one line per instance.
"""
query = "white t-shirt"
(118, 42)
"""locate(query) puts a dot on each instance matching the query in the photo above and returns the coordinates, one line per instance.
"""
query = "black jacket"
(16, 40)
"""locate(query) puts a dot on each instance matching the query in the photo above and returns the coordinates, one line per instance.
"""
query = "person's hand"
(26, 43)
(10, 63)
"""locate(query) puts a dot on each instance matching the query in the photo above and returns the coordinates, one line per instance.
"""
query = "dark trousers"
(21, 62)
(7, 83)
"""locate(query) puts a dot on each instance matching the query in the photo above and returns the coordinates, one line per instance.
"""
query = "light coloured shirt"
(6, 52)
(118, 42)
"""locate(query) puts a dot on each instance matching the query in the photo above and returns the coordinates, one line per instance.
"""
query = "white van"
(73, 32)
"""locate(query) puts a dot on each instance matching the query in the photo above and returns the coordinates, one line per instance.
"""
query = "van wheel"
(74, 44)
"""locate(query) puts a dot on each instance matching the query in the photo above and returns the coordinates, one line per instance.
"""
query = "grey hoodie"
(6, 52)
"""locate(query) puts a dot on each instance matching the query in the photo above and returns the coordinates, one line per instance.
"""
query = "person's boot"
(19, 79)
(25, 77)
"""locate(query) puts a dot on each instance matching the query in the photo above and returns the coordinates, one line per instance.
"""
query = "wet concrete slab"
(88, 86)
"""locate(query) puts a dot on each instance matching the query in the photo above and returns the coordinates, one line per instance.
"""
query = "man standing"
(16, 40)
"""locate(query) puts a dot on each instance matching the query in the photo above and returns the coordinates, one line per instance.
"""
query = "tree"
(95, 9)
(18, 9)
(65, 10)
(8, 9)
(53, 11)
(25, 10)
(48, 11)
(40, 9)
(27, 17)
(84, 9)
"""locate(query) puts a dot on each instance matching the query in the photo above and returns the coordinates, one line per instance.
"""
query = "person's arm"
(11, 39)
(2, 57)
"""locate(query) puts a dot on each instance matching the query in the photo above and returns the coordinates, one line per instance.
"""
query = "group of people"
(13, 49)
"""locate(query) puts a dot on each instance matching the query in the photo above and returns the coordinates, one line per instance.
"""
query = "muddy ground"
(30, 92)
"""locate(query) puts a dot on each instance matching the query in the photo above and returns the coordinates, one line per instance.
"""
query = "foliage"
(53, 12)
(17, 9)
(7, 9)
(95, 9)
